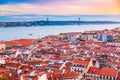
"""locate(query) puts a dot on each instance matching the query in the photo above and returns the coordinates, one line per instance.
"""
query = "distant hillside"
(49, 23)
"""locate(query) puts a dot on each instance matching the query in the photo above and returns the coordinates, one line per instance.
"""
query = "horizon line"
(61, 15)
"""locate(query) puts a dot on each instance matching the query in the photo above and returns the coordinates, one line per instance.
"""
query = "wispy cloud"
(62, 7)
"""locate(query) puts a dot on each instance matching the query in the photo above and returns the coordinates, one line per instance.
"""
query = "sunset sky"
(59, 7)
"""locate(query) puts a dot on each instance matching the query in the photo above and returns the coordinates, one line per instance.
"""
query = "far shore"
(53, 23)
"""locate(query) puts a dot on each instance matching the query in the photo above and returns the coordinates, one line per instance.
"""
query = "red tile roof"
(85, 62)
(119, 75)
(108, 72)
(23, 42)
(56, 71)
(70, 75)
(3, 69)
(94, 70)
(13, 65)
(89, 79)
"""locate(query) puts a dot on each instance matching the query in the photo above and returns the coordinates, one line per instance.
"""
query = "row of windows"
(100, 76)
(78, 65)
(79, 70)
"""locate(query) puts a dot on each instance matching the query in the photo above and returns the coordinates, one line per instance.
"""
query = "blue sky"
(23, 1)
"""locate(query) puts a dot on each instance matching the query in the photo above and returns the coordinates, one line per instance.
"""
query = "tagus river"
(42, 31)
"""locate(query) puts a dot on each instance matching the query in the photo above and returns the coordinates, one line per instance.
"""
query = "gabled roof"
(108, 72)
(13, 65)
(71, 75)
(83, 62)
(104, 71)
(94, 70)
(3, 69)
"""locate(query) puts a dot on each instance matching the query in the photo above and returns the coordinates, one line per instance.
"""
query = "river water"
(42, 31)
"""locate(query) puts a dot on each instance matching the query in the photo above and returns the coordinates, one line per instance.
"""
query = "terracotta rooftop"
(14, 65)
(3, 69)
(89, 79)
(85, 62)
(108, 72)
(94, 70)
(119, 75)
(70, 75)
(24, 42)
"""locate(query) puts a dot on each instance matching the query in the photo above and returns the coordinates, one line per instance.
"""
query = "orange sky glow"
(62, 7)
